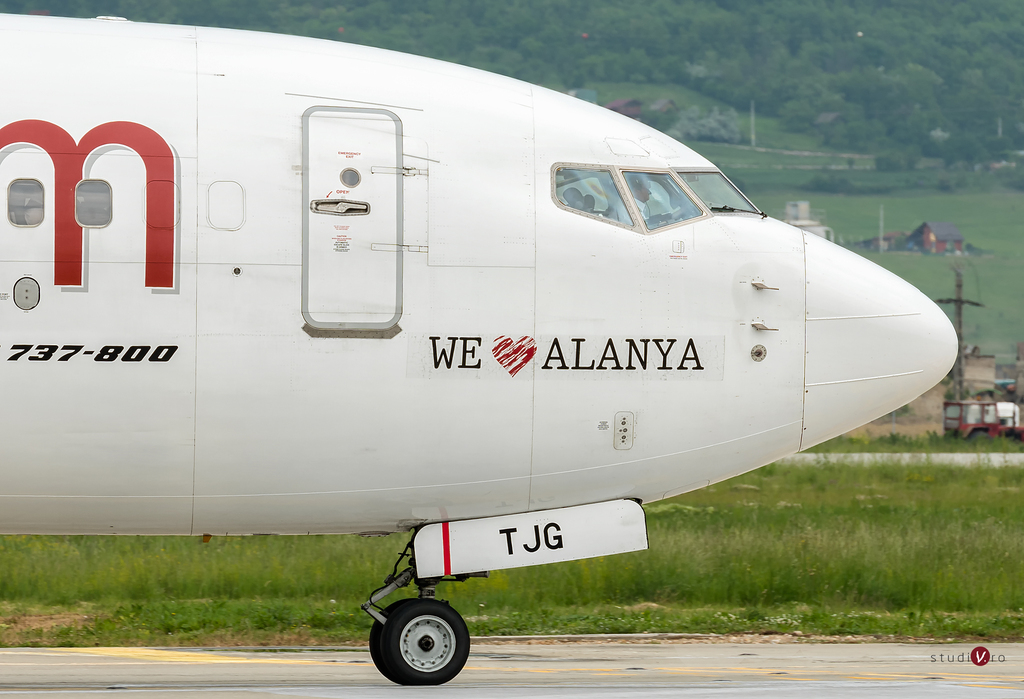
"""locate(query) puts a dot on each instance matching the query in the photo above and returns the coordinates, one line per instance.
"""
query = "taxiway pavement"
(536, 671)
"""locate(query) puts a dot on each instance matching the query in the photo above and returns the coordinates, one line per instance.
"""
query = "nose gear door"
(352, 218)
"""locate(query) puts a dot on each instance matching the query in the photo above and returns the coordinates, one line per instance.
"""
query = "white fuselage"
(305, 394)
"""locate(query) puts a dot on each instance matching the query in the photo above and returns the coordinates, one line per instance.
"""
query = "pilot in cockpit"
(660, 199)
(641, 193)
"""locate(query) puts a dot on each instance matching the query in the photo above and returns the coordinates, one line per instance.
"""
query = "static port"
(237, 271)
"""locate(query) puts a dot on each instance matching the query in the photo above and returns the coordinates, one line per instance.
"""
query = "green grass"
(930, 443)
(912, 551)
(992, 220)
(289, 622)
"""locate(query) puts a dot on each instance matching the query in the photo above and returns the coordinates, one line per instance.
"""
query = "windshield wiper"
(726, 209)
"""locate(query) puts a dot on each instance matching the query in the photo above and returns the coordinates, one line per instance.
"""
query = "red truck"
(978, 419)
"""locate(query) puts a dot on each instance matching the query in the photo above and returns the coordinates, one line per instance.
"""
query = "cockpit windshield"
(717, 192)
(591, 192)
(661, 201)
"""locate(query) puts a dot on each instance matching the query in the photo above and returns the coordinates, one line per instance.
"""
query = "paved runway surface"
(506, 671)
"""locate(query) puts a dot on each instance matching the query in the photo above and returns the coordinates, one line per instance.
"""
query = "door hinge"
(393, 247)
(406, 171)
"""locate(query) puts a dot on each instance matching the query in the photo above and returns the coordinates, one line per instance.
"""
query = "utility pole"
(999, 127)
(753, 131)
(881, 227)
(959, 301)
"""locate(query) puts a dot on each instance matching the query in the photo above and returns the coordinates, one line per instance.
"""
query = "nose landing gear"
(417, 641)
(423, 642)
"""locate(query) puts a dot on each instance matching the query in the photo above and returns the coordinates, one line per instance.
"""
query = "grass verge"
(933, 552)
(930, 443)
(208, 623)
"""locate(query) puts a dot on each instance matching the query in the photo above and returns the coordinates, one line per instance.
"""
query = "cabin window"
(591, 192)
(990, 414)
(93, 204)
(719, 194)
(660, 199)
(953, 412)
(25, 203)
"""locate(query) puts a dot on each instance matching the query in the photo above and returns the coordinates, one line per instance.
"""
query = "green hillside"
(770, 131)
(862, 76)
(928, 98)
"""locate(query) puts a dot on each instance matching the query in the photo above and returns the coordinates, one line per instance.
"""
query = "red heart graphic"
(514, 354)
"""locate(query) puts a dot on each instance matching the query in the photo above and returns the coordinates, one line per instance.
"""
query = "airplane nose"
(874, 342)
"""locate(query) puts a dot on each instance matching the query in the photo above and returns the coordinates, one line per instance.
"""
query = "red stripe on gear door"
(446, 545)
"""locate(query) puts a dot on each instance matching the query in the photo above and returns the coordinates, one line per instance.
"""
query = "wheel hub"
(427, 643)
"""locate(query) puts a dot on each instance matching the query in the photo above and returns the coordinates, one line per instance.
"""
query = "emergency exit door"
(352, 218)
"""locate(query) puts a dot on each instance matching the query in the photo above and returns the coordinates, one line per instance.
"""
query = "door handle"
(339, 207)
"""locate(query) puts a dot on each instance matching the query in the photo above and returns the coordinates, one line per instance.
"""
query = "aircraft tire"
(425, 642)
(376, 631)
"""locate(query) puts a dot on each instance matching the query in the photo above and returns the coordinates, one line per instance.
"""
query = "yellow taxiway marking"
(183, 656)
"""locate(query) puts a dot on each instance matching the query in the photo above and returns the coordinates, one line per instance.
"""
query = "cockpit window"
(591, 192)
(661, 201)
(717, 192)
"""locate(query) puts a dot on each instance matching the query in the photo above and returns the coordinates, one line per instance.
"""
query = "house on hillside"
(890, 241)
(630, 108)
(664, 105)
(936, 237)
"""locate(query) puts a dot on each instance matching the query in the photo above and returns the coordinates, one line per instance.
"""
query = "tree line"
(903, 79)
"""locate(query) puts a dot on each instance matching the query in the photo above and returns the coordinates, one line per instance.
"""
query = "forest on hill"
(906, 80)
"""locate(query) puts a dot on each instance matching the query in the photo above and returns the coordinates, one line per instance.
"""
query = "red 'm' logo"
(980, 656)
(69, 160)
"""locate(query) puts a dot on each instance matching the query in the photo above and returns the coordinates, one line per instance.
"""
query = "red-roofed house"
(937, 237)
(630, 108)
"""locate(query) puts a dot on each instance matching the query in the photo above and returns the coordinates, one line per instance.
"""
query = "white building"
(799, 214)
